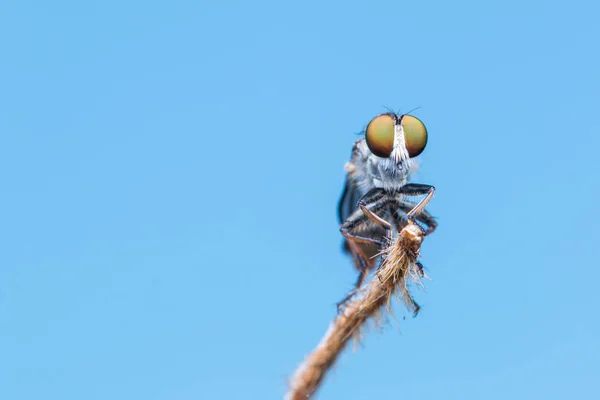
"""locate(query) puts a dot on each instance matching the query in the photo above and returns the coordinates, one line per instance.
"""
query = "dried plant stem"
(398, 268)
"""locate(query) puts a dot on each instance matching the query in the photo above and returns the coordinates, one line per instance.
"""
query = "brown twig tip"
(397, 270)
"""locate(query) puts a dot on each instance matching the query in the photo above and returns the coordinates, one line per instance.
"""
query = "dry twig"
(399, 267)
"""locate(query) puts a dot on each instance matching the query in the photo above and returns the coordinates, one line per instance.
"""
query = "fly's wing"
(353, 189)
(349, 201)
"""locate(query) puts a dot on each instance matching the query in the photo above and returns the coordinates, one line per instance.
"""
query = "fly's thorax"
(391, 175)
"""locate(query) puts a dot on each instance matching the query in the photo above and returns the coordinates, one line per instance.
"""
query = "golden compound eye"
(415, 135)
(380, 135)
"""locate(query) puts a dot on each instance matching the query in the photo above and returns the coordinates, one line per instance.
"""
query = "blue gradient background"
(169, 176)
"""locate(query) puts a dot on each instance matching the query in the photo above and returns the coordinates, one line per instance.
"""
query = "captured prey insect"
(375, 197)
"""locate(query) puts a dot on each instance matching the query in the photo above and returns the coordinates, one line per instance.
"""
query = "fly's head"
(394, 140)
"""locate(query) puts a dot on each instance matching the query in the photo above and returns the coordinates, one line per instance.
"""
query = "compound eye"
(380, 135)
(415, 135)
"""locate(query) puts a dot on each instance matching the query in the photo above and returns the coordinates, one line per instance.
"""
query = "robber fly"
(375, 200)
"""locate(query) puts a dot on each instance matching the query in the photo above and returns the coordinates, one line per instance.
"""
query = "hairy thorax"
(389, 173)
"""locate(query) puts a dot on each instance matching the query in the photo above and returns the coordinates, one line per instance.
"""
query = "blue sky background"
(169, 177)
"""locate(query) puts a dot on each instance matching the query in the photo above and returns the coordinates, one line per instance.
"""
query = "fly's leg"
(371, 203)
(378, 194)
(424, 216)
(417, 189)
